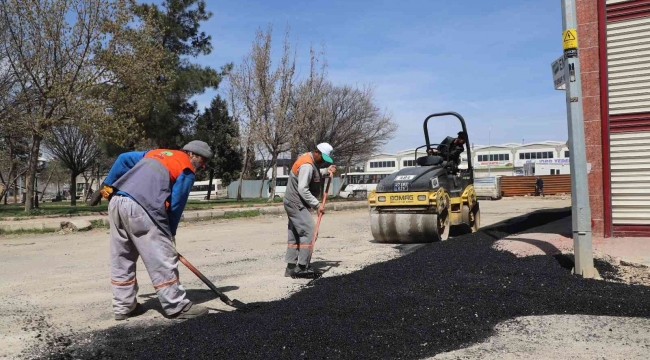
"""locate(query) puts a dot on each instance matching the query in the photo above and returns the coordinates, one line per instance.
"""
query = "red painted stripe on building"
(628, 10)
(631, 230)
(629, 122)
(604, 119)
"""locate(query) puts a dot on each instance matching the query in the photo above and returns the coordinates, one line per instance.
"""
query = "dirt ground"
(59, 284)
(562, 337)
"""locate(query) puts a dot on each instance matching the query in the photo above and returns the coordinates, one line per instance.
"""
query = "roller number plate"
(401, 187)
(404, 177)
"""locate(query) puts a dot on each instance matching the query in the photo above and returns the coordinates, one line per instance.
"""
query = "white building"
(496, 160)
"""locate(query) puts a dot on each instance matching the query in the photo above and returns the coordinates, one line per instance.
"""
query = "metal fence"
(251, 188)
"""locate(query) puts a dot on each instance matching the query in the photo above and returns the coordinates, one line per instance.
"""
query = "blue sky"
(488, 60)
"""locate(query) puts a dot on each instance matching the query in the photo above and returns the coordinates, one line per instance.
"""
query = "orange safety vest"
(302, 160)
(174, 161)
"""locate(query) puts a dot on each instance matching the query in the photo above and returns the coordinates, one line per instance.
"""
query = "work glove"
(104, 191)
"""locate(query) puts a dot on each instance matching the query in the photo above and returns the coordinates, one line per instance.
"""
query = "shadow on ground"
(442, 297)
(198, 296)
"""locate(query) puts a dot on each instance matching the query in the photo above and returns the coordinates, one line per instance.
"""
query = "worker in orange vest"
(147, 192)
(300, 197)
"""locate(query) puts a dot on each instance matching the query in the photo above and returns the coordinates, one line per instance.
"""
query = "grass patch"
(27, 231)
(48, 208)
(65, 209)
(241, 214)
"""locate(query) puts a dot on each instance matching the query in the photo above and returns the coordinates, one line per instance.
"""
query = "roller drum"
(391, 227)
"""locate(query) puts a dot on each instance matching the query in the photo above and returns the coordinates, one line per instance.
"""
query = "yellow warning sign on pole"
(570, 39)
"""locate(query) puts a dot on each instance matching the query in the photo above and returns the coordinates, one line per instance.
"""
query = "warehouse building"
(510, 159)
(614, 51)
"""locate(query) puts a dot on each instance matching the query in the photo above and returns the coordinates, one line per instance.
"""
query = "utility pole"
(580, 210)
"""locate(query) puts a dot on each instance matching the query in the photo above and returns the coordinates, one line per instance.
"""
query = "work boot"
(288, 272)
(190, 311)
(139, 310)
(305, 272)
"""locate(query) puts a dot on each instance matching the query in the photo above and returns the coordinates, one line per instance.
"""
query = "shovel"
(234, 303)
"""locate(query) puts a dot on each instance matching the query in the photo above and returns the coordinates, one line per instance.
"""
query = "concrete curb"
(189, 216)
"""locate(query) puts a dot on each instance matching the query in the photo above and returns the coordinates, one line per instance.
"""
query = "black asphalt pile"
(440, 298)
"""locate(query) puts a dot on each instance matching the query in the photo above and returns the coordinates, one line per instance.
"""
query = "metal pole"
(580, 210)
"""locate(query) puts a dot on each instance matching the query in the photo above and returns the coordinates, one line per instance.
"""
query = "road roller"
(425, 203)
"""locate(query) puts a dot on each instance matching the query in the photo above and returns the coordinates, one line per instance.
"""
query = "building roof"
(511, 146)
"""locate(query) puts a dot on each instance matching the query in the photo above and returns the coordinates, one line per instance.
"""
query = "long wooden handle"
(320, 216)
(205, 280)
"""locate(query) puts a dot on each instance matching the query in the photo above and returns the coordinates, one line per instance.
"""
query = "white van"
(280, 185)
(200, 190)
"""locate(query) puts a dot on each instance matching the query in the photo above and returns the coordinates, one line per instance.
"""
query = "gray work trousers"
(301, 233)
(134, 234)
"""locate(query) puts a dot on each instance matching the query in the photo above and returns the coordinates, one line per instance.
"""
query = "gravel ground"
(440, 298)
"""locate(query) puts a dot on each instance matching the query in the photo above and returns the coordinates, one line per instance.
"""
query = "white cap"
(326, 149)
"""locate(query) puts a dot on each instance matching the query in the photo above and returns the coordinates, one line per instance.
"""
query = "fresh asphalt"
(436, 298)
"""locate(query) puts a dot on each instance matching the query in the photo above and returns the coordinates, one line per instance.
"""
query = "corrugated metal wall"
(525, 185)
(630, 158)
(628, 67)
(628, 54)
(250, 189)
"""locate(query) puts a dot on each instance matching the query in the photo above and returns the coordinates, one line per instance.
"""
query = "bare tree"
(235, 102)
(265, 94)
(76, 149)
(350, 121)
(71, 58)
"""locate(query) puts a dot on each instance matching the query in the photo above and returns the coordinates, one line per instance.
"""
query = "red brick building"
(614, 45)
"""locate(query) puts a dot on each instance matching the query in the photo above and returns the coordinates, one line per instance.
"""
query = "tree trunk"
(274, 176)
(73, 189)
(36, 193)
(243, 171)
(85, 190)
(210, 183)
(46, 184)
(12, 170)
(88, 188)
(31, 172)
(16, 191)
(294, 154)
(264, 171)
(347, 170)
